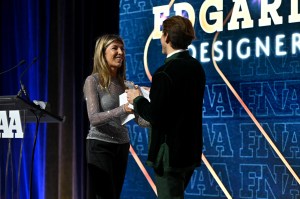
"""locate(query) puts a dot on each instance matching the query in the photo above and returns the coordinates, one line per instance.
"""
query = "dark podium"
(30, 112)
(15, 102)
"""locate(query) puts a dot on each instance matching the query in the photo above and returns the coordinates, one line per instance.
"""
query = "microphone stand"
(38, 117)
(23, 89)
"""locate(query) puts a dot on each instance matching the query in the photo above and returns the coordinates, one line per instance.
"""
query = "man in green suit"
(174, 111)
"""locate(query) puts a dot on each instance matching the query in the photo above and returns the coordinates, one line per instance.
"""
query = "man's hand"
(127, 109)
(132, 94)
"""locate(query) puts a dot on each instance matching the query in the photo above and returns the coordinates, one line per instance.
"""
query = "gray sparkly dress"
(104, 112)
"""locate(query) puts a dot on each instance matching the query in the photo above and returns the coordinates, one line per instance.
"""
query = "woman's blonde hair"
(100, 63)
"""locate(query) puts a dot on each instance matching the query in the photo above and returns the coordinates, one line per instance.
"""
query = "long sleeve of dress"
(141, 122)
(96, 114)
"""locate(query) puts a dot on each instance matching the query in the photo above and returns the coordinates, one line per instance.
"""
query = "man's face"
(163, 42)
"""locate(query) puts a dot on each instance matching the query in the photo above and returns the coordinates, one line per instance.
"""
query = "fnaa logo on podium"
(10, 124)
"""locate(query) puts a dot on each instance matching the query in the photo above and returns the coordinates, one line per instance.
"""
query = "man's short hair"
(180, 30)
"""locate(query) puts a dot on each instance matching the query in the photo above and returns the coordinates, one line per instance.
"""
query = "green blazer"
(175, 113)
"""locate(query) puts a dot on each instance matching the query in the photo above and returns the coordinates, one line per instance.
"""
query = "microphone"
(23, 89)
(19, 64)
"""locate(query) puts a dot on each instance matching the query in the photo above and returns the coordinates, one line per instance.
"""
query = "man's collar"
(174, 52)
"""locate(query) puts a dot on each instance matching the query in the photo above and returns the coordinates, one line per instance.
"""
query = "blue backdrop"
(24, 36)
(261, 63)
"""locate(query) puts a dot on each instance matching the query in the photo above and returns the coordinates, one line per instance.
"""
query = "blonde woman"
(108, 140)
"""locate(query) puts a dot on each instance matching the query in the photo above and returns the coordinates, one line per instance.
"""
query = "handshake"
(126, 99)
(134, 91)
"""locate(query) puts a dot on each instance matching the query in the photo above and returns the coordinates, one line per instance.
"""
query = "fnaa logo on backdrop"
(10, 124)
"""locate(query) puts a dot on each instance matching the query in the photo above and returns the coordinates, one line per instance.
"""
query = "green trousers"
(171, 184)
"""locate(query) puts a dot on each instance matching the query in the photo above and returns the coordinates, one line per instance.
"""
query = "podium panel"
(14, 102)
(15, 112)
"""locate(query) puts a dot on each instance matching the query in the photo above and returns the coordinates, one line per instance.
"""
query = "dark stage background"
(60, 36)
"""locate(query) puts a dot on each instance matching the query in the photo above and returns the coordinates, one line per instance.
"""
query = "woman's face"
(114, 55)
